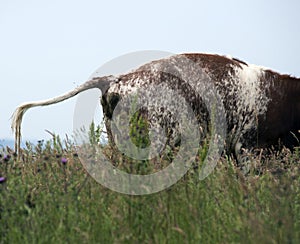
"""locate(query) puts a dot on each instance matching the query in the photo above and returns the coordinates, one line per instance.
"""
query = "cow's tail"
(102, 83)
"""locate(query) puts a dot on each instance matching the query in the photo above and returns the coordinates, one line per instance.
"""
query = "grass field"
(47, 197)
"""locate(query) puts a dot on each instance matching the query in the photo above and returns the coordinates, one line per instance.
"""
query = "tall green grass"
(49, 198)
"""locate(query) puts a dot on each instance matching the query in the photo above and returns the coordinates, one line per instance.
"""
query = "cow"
(261, 107)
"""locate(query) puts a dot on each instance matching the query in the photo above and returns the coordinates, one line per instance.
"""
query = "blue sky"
(50, 47)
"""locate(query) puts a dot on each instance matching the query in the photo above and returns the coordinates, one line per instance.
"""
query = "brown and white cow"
(262, 107)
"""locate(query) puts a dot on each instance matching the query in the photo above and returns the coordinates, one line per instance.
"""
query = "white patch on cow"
(249, 88)
(250, 98)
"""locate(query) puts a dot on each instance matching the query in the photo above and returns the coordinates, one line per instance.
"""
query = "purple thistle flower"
(6, 158)
(64, 160)
(2, 179)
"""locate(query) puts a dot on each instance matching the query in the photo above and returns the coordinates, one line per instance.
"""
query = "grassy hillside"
(47, 197)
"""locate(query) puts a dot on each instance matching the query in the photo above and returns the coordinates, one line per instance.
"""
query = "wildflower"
(2, 179)
(64, 160)
(6, 158)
